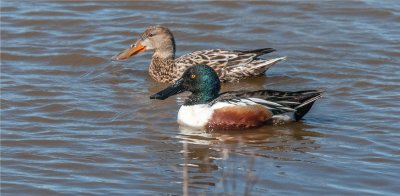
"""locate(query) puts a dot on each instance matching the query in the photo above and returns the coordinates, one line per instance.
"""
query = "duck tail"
(263, 65)
(280, 102)
(306, 103)
(260, 51)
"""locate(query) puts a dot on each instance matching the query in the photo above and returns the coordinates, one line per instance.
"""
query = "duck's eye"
(151, 35)
(193, 76)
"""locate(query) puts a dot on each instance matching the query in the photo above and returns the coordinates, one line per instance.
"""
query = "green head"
(201, 80)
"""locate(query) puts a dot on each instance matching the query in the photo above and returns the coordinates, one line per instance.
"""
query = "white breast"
(194, 115)
(198, 115)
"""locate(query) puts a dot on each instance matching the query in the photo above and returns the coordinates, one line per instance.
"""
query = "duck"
(230, 65)
(207, 108)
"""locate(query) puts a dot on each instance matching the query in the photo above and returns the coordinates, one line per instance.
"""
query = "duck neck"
(162, 66)
(203, 97)
(166, 51)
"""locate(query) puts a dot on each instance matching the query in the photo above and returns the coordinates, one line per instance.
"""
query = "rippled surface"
(74, 122)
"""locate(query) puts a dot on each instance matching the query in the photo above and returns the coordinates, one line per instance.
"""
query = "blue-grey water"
(73, 122)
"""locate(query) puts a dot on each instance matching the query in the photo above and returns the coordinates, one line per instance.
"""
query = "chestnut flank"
(239, 117)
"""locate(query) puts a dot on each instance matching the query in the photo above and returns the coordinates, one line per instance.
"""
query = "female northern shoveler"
(207, 108)
(230, 65)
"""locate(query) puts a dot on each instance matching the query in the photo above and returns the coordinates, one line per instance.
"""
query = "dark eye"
(151, 35)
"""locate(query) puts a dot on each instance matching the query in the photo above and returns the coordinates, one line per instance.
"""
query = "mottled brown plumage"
(230, 65)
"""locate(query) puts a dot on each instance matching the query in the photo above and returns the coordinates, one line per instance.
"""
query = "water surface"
(75, 122)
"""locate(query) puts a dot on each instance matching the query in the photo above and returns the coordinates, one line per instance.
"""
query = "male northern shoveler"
(230, 65)
(207, 108)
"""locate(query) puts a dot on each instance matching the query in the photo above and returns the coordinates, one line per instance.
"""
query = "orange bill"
(132, 50)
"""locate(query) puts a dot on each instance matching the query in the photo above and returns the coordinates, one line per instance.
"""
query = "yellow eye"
(193, 76)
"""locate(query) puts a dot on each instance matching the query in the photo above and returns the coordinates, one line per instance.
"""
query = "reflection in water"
(207, 153)
(71, 117)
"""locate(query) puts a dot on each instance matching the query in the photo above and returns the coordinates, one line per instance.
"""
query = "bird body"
(209, 109)
(230, 65)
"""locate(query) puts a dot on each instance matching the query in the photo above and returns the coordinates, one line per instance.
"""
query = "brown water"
(75, 122)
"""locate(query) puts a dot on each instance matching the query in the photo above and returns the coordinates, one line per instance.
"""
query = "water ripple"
(75, 122)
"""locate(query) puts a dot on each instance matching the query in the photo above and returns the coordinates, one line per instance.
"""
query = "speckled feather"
(230, 65)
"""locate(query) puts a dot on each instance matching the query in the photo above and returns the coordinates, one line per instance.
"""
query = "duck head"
(157, 38)
(201, 80)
